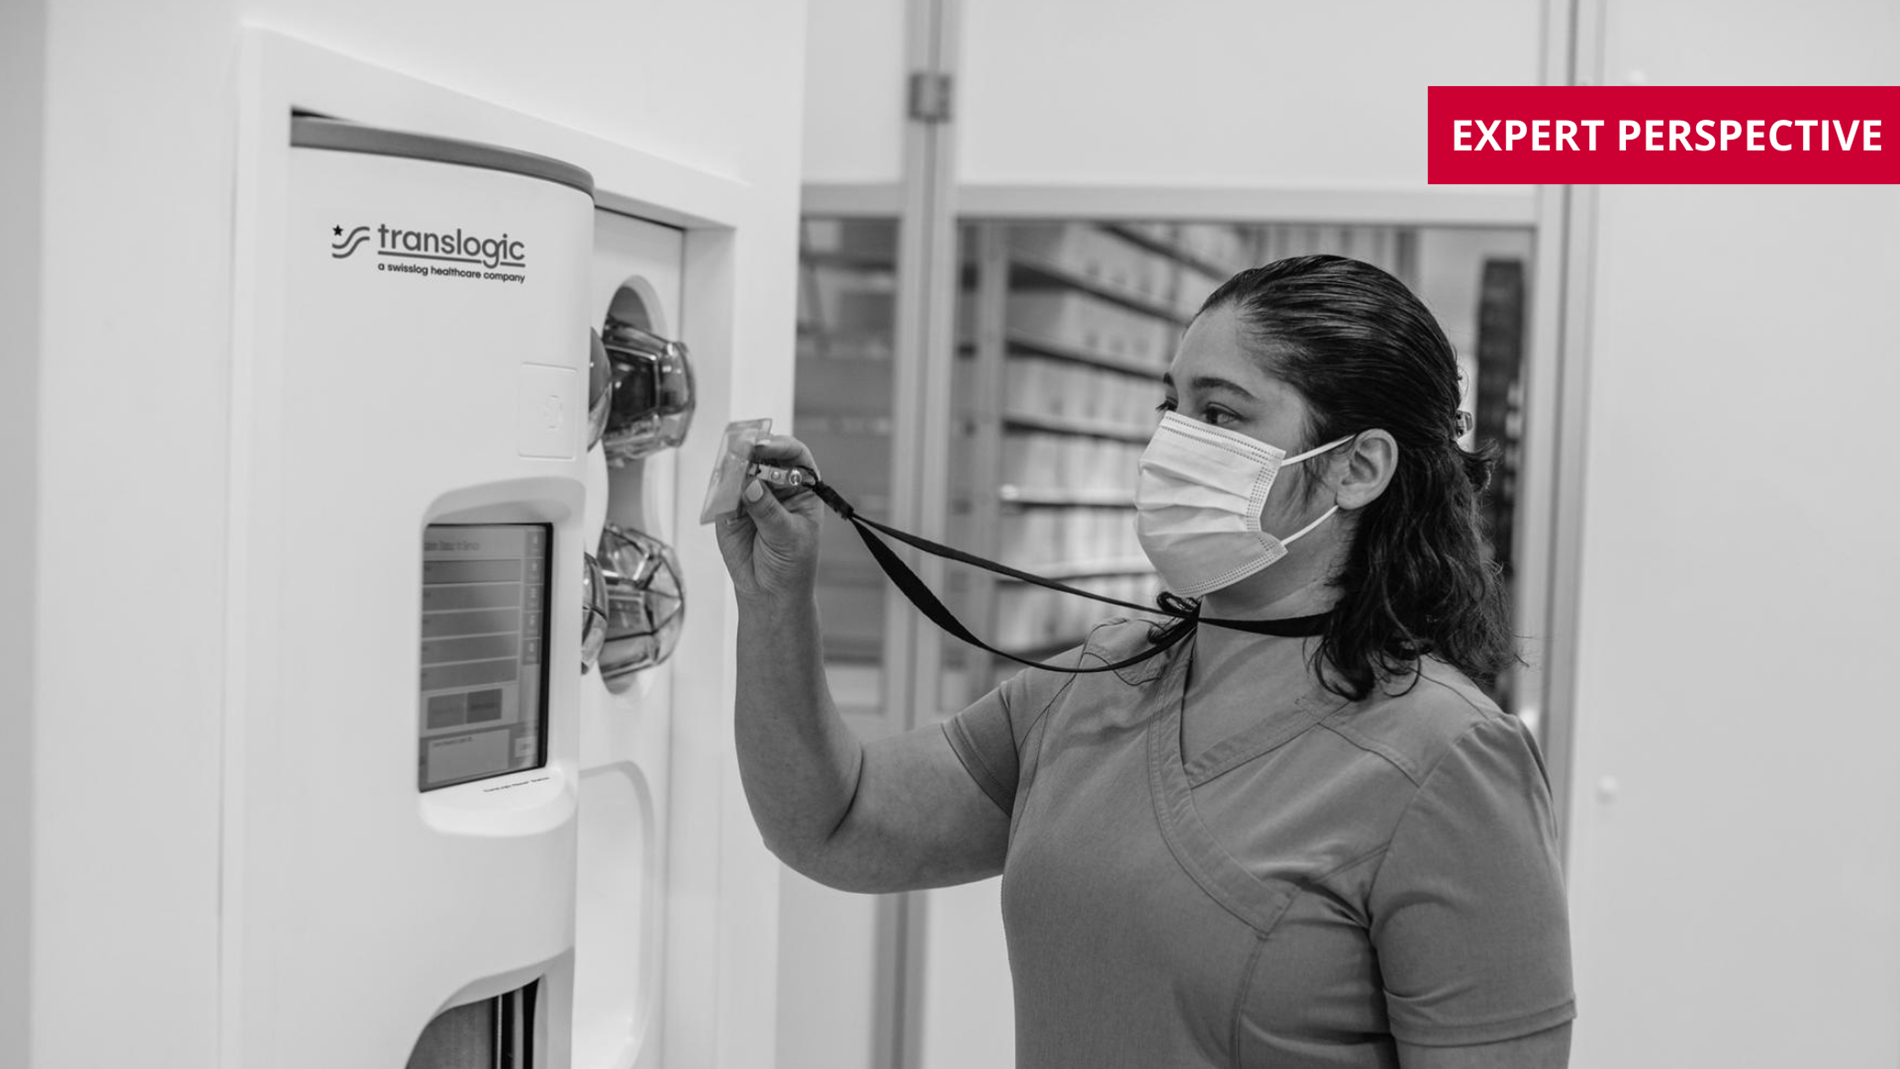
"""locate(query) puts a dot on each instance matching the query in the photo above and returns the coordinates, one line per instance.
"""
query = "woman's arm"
(1549, 1049)
(897, 814)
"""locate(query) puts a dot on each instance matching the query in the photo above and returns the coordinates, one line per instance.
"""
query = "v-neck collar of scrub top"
(1172, 778)
(1281, 725)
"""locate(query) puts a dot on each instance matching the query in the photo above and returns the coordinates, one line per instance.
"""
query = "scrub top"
(1334, 876)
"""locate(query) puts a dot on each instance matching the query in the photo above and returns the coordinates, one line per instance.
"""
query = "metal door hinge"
(930, 97)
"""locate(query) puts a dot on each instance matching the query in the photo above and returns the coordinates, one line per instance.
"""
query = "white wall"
(827, 977)
(22, 81)
(1126, 92)
(1222, 92)
(713, 84)
(855, 89)
(1737, 901)
(967, 1014)
(135, 334)
(128, 466)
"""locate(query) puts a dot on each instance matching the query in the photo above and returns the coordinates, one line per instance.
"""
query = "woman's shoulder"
(1038, 690)
(1120, 637)
(1059, 694)
(1417, 719)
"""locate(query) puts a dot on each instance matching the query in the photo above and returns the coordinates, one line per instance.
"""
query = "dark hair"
(1366, 354)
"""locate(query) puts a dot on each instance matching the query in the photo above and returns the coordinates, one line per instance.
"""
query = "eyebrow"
(1207, 383)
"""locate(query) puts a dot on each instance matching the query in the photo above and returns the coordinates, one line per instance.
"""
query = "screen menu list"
(483, 706)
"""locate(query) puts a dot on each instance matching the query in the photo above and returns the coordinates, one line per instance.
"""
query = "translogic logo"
(435, 254)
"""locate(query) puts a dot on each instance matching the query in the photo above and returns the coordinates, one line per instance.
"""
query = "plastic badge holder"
(729, 471)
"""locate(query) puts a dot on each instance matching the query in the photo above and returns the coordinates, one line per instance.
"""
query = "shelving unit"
(1164, 240)
(1031, 270)
(1066, 330)
(1087, 428)
(1030, 345)
(1499, 398)
(1083, 496)
(1092, 570)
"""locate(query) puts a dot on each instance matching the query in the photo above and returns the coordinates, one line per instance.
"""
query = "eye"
(1214, 415)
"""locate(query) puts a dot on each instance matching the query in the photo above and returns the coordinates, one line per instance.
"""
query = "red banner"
(1663, 134)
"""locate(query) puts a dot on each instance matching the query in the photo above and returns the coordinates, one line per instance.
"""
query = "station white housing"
(447, 843)
(411, 776)
(216, 848)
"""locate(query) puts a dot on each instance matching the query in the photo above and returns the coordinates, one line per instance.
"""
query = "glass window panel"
(847, 296)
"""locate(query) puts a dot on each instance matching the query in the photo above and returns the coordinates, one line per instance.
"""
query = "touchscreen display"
(483, 707)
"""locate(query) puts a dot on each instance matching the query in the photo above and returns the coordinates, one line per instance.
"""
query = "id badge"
(729, 471)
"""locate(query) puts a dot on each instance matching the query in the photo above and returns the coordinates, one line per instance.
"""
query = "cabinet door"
(626, 722)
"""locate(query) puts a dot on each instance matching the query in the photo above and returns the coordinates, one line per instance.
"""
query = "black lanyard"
(1186, 613)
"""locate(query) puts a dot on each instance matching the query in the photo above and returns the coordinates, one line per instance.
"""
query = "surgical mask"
(1198, 504)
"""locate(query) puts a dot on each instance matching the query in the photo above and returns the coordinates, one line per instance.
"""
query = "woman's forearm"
(798, 760)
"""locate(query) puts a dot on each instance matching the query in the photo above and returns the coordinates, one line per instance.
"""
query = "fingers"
(771, 517)
(735, 534)
(783, 450)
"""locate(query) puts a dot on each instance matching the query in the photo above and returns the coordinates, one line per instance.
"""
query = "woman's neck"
(1219, 658)
(1265, 596)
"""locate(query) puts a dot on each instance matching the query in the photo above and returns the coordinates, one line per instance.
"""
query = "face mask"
(1198, 504)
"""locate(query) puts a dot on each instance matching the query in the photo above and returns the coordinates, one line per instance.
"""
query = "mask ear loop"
(1311, 453)
(1304, 531)
(1328, 514)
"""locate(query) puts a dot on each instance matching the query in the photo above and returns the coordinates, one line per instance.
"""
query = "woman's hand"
(771, 543)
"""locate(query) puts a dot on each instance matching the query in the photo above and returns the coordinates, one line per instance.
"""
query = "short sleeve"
(988, 736)
(1468, 912)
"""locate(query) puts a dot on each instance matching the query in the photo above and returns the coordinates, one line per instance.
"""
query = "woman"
(1327, 849)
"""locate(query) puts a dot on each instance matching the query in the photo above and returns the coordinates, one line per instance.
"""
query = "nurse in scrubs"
(1324, 848)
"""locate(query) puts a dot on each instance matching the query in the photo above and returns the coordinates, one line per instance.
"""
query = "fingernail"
(753, 490)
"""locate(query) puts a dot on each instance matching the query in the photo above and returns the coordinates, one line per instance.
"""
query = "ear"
(1362, 469)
